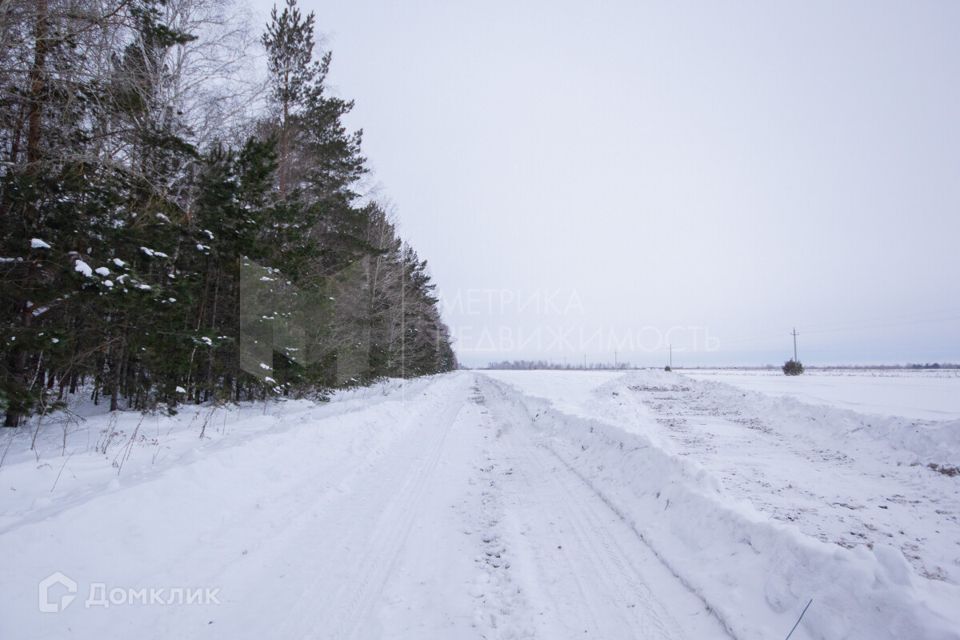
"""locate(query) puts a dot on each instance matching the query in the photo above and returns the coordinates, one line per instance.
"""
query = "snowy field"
(926, 395)
(502, 504)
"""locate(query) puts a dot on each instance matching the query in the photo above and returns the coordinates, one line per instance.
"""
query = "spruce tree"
(124, 240)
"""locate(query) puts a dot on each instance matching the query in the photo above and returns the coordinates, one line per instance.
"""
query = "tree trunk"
(37, 86)
(16, 408)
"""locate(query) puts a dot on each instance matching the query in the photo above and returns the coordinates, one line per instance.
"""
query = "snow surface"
(486, 505)
(921, 394)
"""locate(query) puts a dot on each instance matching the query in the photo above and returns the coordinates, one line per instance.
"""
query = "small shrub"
(667, 368)
(946, 470)
(792, 368)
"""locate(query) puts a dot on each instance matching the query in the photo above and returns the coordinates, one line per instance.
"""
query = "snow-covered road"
(427, 515)
(520, 505)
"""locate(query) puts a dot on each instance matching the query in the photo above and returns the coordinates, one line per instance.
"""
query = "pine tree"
(125, 242)
(289, 41)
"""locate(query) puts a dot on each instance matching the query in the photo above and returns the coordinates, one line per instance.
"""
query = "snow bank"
(919, 441)
(835, 475)
(755, 573)
(918, 394)
(64, 459)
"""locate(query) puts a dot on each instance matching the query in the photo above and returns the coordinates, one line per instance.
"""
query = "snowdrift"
(756, 574)
(910, 440)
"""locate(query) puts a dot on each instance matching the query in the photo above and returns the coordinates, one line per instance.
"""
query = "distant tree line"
(934, 365)
(142, 164)
(543, 364)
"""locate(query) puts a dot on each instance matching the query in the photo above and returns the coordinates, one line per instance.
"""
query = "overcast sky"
(591, 177)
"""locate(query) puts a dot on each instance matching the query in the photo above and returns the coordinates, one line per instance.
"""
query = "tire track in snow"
(502, 610)
(603, 558)
(391, 533)
(630, 524)
(402, 477)
(595, 561)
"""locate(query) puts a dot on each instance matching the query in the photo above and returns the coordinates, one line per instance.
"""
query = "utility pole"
(614, 358)
(671, 356)
(795, 334)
